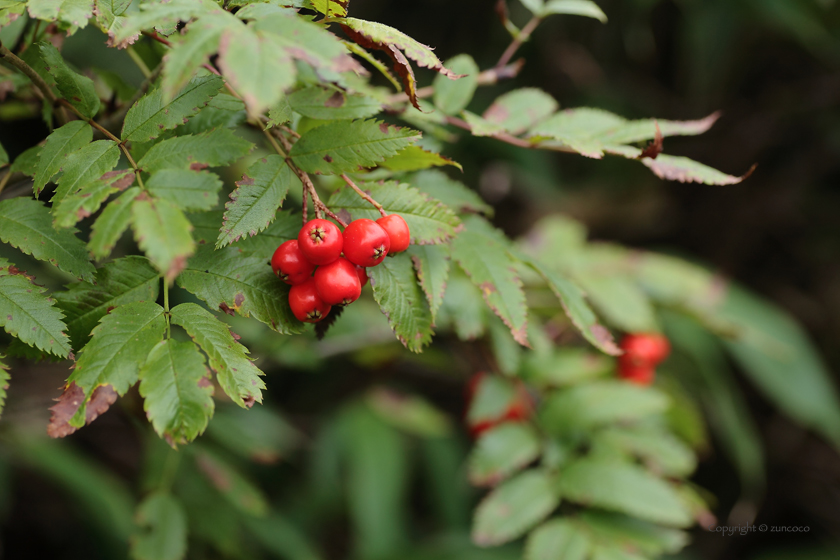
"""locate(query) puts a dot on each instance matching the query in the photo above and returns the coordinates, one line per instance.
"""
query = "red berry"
(640, 375)
(365, 243)
(363, 277)
(397, 231)
(306, 304)
(320, 241)
(517, 406)
(290, 265)
(644, 349)
(338, 282)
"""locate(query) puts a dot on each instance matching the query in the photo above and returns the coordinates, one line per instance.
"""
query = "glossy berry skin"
(640, 375)
(338, 282)
(363, 277)
(320, 241)
(644, 349)
(397, 231)
(365, 243)
(306, 304)
(289, 264)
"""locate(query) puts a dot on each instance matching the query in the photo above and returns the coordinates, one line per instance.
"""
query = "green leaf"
(344, 146)
(463, 306)
(60, 144)
(331, 8)
(4, 382)
(625, 488)
(520, 109)
(90, 196)
(75, 88)
(480, 127)
(85, 166)
(213, 148)
(398, 294)
(492, 396)
(74, 13)
(259, 434)
(684, 170)
(557, 538)
(535, 6)
(10, 11)
(331, 103)
(27, 225)
(452, 193)
(254, 203)
(566, 366)
(490, 268)
(177, 390)
(502, 451)
(229, 281)
(409, 413)
(163, 524)
(186, 189)
(189, 50)
(632, 534)
(432, 265)
(513, 508)
(429, 221)
(223, 111)
(4, 156)
(163, 14)
(243, 495)
(239, 378)
(656, 447)
(153, 113)
(574, 7)
(286, 226)
(27, 314)
(281, 113)
(413, 158)
(27, 162)
(163, 233)
(111, 223)
(110, 19)
(121, 281)
(620, 300)
(452, 96)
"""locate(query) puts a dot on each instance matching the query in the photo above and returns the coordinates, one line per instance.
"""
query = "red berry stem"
(363, 194)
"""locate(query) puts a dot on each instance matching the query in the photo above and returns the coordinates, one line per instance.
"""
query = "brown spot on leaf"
(335, 100)
(67, 405)
(226, 308)
(383, 128)
(655, 147)
(244, 181)
(101, 399)
(605, 339)
(328, 158)
(248, 401)
(238, 300)
(197, 166)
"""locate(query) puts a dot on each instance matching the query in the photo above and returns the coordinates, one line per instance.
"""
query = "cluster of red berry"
(337, 259)
(518, 408)
(642, 353)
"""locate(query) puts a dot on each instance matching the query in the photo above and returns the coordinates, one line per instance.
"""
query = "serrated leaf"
(85, 166)
(331, 8)
(111, 224)
(620, 300)
(75, 88)
(501, 451)
(318, 102)
(75, 13)
(684, 170)
(27, 225)
(463, 306)
(163, 14)
(163, 233)
(90, 196)
(631, 533)
(163, 524)
(409, 413)
(153, 113)
(231, 282)
(177, 391)
(60, 144)
(490, 268)
(186, 189)
(27, 162)
(513, 508)
(223, 111)
(28, 315)
(452, 193)
(566, 366)
(452, 96)
(429, 221)
(625, 488)
(254, 203)
(285, 227)
(586, 8)
(126, 280)
(432, 265)
(480, 127)
(398, 294)
(189, 50)
(557, 538)
(10, 10)
(657, 448)
(238, 377)
(110, 18)
(413, 158)
(520, 109)
(345, 146)
(4, 382)
(281, 113)
(213, 148)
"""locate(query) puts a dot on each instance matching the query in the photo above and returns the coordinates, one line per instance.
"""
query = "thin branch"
(5, 179)
(141, 64)
(509, 138)
(10, 58)
(523, 36)
(363, 194)
(485, 78)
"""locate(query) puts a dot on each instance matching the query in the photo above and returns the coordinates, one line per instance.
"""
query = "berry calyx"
(320, 241)
(397, 231)
(338, 282)
(365, 243)
(290, 264)
(306, 304)
(362, 273)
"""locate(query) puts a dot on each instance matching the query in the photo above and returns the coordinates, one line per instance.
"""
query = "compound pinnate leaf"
(234, 283)
(163, 529)
(398, 294)
(625, 488)
(318, 102)
(285, 227)
(684, 170)
(85, 166)
(61, 143)
(110, 18)
(557, 538)
(258, 195)
(187, 189)
(126, 280)
(223, 111)
(74, 13)
(514, 507)
(213, 148)
(27, 162)
(189, 50)
(452, 96)
(414, 158)
(432, 265)
(429, 221)
(153, 113)
(29, 315)
(345, 146)
(177, 391)
(454, 194)
(656, 447)
(111, 224)
(75, 88)
(163, 232)
(163, 14)
(4, 382)
(237, 375)
(586, 8)
(27, 225)
(520, 109)
(90, 196)
(502, 451)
